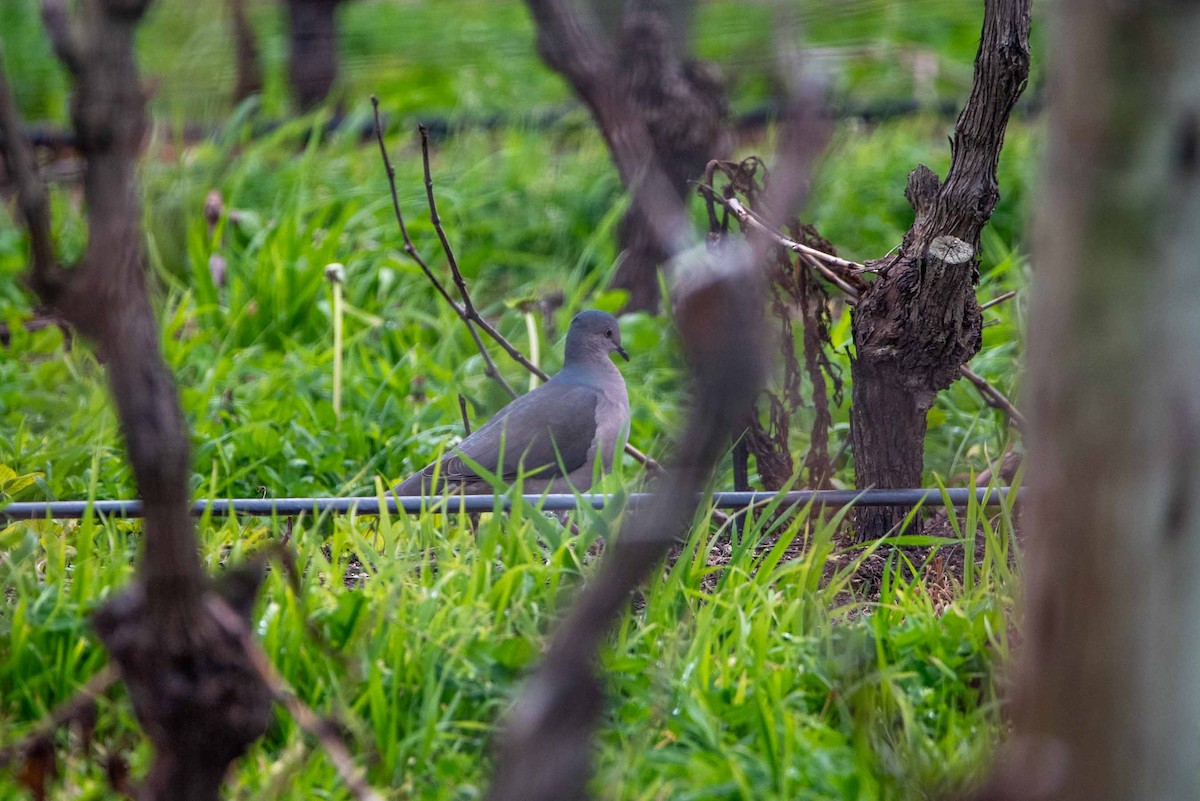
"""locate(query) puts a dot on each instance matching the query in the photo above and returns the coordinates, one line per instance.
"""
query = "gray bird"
(555, 432)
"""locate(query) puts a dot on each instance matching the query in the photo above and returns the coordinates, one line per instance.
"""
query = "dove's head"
(593, 335)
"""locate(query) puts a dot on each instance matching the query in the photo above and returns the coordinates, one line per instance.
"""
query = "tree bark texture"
(179, 647)
(919, 321)
(589, 62)
(1107, 704)
(313, 64)
(682, 104)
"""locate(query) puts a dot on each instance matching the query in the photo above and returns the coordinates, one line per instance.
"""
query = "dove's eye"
(608, 333)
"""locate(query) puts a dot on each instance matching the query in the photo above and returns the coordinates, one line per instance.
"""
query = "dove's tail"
(419, 483)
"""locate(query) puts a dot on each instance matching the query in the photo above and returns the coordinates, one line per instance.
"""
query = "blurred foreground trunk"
(1107, 703)
(919, 321)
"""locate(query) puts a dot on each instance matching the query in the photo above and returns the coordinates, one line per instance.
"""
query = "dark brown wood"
(683, 104)
(678, 103)
(1106, 704)
(313, 61)
(249, 79)
(919, 322)
(177, 644)
(38, 323)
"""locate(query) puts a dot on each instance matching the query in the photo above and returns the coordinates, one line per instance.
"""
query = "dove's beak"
(621, 351)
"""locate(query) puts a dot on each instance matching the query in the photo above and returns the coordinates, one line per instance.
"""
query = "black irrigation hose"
(57, 510)
(54, 137)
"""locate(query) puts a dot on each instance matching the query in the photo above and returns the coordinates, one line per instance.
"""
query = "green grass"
(475, 58)
(757, 679)
(759, 688)
(753, 683)
(254, 359)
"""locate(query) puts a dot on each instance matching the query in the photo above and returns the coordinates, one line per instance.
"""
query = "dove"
(554, 433)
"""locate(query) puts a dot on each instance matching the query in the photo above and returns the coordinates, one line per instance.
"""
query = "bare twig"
(994, 398)
(71, 710)
(469, 318)
(436, 219)
(38, 323)
(996, 301)
(326, 732)
(469, 315)
(816, 259)
(409, 248)
(748, 217)
(323, 729)
(462, 409)
(466, 310)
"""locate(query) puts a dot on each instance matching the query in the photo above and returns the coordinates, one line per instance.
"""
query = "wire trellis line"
(415, 504)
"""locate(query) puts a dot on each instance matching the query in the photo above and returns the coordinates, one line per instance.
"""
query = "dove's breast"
(612, 424)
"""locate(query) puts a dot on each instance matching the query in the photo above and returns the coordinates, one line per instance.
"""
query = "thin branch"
(750, 218)
(816, 259)
(409, 248)
(996, 301)
(38, 323)
(64, 714)
(994, 398)
(462, 409)
(466, 310)
(471, 314)
(436, 219)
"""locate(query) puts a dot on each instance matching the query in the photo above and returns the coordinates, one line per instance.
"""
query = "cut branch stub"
(951, 250)
(919, 322)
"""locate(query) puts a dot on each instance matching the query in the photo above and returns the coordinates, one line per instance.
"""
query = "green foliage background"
(759, 681)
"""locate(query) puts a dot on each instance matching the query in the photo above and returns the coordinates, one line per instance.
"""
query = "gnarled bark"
(179, 646)
(919, 321)
(680, 102)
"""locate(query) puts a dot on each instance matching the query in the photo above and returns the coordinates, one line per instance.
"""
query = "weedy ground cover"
(745, 671)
